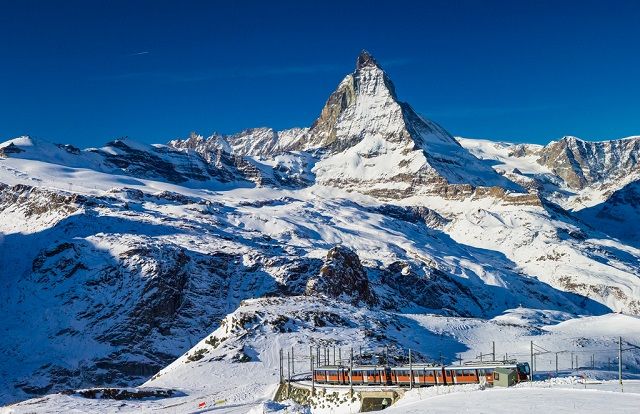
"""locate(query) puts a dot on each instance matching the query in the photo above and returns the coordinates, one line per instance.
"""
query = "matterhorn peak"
(365, 59)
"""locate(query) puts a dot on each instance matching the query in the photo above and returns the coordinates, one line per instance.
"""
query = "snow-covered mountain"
(571, 172)
(122, 259)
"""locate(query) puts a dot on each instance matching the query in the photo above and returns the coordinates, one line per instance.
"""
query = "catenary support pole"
(532, 367)
(288, 374)
(313, 377)
(493, 352)
(556, 364)
(311, 359)
(351, 373)
(620, 362)
(281, 373)
(410, 372)
(293, 364)
(571, 361)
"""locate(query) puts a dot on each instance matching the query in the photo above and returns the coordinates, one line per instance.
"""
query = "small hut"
(504, 377)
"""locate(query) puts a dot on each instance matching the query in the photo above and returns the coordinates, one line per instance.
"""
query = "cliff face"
(342, 277)
(582, 163)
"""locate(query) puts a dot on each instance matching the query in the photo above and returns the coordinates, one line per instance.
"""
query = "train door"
(449, 377)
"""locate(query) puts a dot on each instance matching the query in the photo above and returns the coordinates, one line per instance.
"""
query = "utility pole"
(339, 356)
(577, 364)
(493, 352)
(556, 364)
(311, 359)
(334, 355)
(410, 371)
(360, 355)
(532, 367)
(620, 362)
(293, 367)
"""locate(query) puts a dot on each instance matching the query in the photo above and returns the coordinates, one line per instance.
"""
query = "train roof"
(363, 367)
(418, 366)
(480, 366)
(327, 367)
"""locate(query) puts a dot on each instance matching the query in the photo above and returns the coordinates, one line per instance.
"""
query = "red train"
(423, 375)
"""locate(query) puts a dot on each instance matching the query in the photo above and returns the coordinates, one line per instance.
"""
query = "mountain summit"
(365, 59)
(380, 145)
(365, 139)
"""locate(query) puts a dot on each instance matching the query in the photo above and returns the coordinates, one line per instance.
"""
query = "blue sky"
(85, 72)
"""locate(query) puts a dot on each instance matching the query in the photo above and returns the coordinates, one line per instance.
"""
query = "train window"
(496, 376)
(459, 372)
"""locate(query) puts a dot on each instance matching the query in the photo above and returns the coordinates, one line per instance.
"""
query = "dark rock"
(342, 276)
(10, 149)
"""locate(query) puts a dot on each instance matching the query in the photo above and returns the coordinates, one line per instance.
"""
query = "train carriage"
(371, 375)
(331, 374)
(423, 375)
(473, 373)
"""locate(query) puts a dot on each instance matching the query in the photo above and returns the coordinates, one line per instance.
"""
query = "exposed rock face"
(413, 214)
(619, 215)
(581, 163)
(10, 149)
(342, 277)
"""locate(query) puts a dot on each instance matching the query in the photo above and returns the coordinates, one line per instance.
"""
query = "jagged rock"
(413, 214)
(10, 149)
(581, 163)
(342, 276)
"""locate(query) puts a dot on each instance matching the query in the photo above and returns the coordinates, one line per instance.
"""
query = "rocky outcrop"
(12, 148)
(413, 214)
(582, 163)
(342, 277)
(619, 215)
